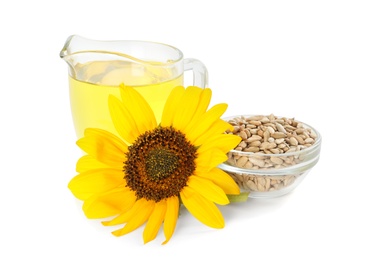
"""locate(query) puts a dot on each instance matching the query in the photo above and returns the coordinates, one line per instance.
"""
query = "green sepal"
(242, 197)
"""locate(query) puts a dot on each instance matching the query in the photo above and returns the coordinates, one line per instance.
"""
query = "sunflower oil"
(99, 79)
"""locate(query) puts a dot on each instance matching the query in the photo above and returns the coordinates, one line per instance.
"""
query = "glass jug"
(97, 68)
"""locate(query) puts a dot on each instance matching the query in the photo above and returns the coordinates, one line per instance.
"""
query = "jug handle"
(200, 74)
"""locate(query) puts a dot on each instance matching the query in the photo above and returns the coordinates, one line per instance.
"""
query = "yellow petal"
(88, 162)
(140, 212)
(107, 204)
(171, 216)
(208, 119)
(222, 179)
(224, 142)
(208, 190)
(139, 109)
(172, 104)
(126, 215)
(219, 126)
(204, 102)
(189, 104)
(104, 146)
(154, 222)
(123, 121)
(201, 208)
(95, 181)
(210, 159)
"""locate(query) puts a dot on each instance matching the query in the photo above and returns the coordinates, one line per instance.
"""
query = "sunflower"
(143, 175)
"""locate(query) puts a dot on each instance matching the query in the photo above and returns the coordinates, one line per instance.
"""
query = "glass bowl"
(271, 172)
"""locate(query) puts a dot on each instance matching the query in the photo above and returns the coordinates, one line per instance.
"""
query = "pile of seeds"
(263, 136)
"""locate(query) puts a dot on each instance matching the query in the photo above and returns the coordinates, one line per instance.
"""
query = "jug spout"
(78, 51)
(66, 54)
(65, 50)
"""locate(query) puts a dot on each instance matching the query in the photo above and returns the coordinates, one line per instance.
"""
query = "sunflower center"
(159, 164)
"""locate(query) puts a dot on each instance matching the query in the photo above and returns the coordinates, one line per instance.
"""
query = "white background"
(326, 63)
